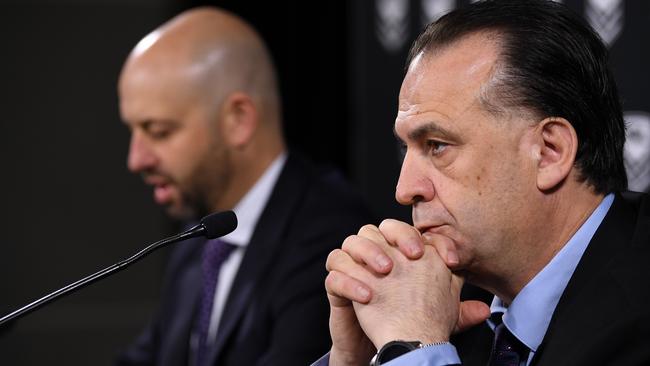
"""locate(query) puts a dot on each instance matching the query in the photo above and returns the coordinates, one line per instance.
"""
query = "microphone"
(212, 226)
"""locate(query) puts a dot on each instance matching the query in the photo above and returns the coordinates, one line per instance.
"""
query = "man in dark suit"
(200, 98)
(514, 169)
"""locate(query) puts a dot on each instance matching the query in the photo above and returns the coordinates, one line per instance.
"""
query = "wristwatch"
(394, 349)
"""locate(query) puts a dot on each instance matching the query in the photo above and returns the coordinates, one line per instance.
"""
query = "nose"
(141, 156)
(413, 185)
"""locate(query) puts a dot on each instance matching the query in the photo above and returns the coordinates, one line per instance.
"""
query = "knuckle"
(331, 258)
(336, 283)
(386, 223)
(368, 228)
(349, 241)
(330, 281)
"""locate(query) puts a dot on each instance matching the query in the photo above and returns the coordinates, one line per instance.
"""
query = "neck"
(248, 166)
(561, 214)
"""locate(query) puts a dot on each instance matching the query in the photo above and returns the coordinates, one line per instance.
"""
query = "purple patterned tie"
(214, 254)
(507, 350)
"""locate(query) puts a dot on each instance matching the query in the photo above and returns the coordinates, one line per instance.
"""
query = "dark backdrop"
(71, 208)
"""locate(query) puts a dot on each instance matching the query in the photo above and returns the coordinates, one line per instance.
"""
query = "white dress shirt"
(248, 211)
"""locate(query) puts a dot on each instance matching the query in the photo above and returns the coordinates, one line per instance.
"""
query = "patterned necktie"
(507, 350)
(215, 254)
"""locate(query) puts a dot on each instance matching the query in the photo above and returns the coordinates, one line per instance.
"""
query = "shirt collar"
(529, 314)
(250, 207)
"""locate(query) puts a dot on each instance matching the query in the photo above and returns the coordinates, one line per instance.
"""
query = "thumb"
(472, 312)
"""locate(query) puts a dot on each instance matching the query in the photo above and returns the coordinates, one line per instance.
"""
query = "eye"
(159, 134)
(158, 131)
(436, 147)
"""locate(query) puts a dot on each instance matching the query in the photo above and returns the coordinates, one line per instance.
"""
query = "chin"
(180, 213)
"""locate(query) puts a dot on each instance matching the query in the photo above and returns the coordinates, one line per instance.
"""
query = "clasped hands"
(391, 282)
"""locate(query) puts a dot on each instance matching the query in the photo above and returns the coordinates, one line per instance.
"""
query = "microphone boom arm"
(198, 230)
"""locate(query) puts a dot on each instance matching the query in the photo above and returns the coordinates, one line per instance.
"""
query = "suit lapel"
(177, 332)
(262, 248)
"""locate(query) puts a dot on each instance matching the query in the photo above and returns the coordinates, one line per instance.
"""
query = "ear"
(559, 144)
(240, 119)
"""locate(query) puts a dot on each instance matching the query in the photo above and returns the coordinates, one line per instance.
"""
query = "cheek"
(184, 155)
(473, 184)
(478, 200)
(500, 200)
(477, 183)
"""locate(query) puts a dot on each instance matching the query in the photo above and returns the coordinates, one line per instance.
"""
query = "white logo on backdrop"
(392, 23)
(434, 9)
(607, 18)
(637, 150)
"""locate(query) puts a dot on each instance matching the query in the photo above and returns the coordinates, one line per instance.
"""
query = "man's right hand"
(364, 254)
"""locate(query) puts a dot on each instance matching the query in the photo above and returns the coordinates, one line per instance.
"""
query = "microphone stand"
(198, 230)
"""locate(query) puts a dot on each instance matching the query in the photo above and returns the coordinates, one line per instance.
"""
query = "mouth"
(154, 180)
(444, 230)
(163, 190)
(163, 193)
(434, 229)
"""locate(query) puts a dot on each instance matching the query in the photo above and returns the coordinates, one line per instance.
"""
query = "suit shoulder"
(329, 193)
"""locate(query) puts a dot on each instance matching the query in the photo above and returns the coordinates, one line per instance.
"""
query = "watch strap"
(397, 348)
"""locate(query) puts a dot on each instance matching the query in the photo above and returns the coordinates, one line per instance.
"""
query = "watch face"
(394, 349)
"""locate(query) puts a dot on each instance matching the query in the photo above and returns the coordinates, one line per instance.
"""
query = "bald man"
(200, 97)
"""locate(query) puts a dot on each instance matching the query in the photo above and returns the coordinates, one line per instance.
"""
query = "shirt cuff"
(323, 361)
(438, 355)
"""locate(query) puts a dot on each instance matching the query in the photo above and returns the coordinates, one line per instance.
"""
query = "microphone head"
(219, 224)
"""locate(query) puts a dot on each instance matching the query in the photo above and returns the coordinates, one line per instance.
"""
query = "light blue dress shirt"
(529, 315)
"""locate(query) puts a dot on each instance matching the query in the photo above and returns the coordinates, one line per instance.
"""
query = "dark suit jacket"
(277, 310)
(602, 317)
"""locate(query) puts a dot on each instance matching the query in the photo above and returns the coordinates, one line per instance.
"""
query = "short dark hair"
(553, 64)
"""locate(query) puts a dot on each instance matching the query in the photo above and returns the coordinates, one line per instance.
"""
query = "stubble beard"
(207, 184)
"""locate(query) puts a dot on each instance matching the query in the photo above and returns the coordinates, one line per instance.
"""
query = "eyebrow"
(430, 128)
(147, 122)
